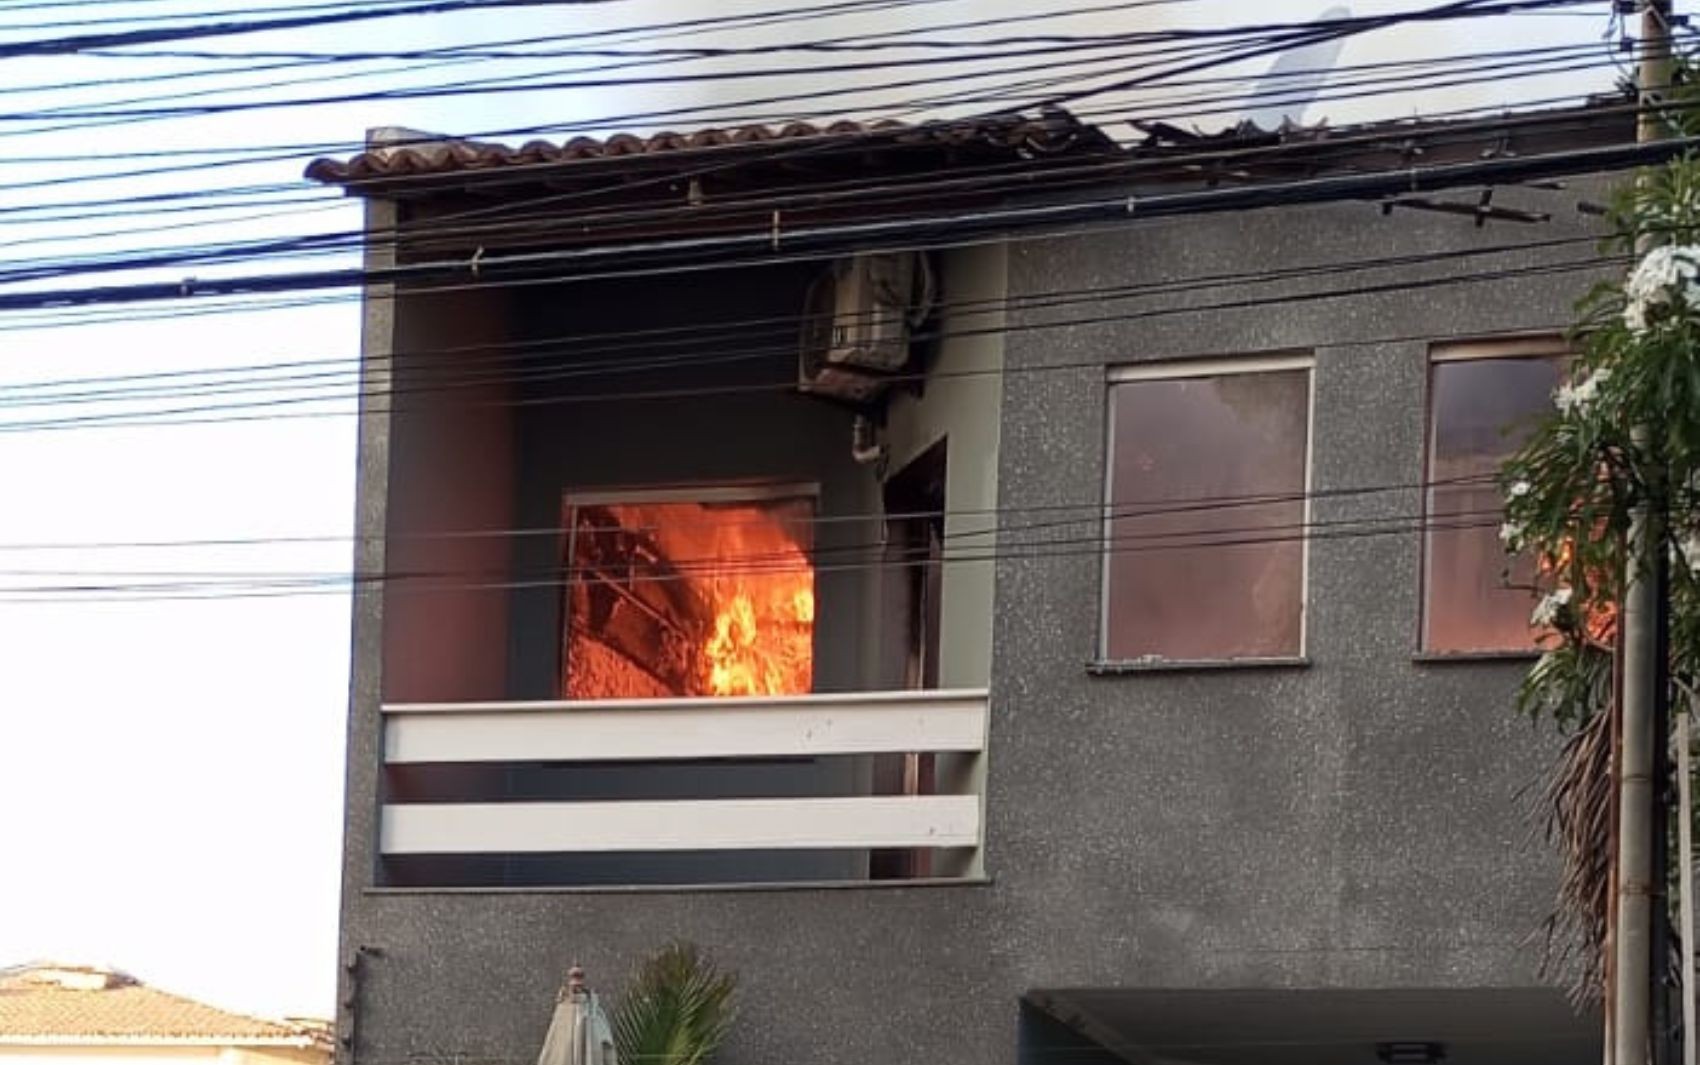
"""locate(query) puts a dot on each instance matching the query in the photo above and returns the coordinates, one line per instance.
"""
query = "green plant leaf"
(676, 1011)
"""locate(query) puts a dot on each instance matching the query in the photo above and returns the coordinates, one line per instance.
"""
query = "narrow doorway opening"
(914, 500)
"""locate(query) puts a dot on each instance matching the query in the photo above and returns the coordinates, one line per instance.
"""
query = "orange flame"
(762, 639)
(1600, 624)
(681, 599)
(756, 651)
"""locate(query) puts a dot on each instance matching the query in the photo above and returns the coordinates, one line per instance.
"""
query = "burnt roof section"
(1246, 151)
(402, 163)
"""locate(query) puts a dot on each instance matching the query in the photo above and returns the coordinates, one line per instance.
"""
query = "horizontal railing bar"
(630, 730)
(686, 825)
(925, 695)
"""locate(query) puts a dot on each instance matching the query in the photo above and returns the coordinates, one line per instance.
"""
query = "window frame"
(1533, 345)
(711, 491)
(1181, 369)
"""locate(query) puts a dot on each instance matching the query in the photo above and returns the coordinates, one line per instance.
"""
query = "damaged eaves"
(458, 197)
(402, 164)
(698, 165)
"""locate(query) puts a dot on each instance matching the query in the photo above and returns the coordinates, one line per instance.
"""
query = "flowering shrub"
(1624, 432)
(1570, 492)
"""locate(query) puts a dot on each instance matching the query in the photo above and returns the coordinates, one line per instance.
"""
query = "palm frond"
(676, 1011)
(1578, 803)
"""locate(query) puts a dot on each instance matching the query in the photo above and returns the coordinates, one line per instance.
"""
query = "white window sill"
(1120, 667)
(894, 884)
(1445, 657)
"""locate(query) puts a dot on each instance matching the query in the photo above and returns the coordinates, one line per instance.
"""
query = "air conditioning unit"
(856, 325)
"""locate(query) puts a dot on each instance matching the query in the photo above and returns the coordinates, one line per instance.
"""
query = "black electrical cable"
(260, 410)
(115, 175)
(136, 21)
(721, 250)
(1048, 531)
(71, 45)
(1094, 547)
(318, 199)
(565, 357)
(536, 225)
(1285, 36)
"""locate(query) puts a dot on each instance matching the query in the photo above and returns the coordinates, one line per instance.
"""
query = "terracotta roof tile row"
(399, 162)
(64, 1004)
(412, 154)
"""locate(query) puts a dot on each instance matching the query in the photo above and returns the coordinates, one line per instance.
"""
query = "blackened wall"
(723, 410)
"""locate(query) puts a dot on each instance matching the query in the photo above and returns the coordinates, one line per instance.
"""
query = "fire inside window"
(1482, 408)
(674, 598)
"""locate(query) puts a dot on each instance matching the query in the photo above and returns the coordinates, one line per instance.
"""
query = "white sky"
(171, 773)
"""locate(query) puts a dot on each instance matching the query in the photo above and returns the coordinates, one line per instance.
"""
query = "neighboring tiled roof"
(72, 1005)
(412, 154)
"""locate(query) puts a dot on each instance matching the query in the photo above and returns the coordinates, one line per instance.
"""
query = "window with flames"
(1484, 399)
(668, 597)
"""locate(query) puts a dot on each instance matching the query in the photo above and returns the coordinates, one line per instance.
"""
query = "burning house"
(1028, 647)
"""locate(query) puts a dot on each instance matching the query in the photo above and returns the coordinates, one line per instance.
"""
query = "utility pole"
(1637, 974)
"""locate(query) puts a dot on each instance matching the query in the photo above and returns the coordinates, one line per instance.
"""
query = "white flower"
(1518, 489)
(1547, 610)
(1658, 280)
(1689, 546)
(1581, 395)
(1511, 534)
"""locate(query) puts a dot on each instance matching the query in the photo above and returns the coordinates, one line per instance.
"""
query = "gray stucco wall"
(1348, 823)
(1352, 822)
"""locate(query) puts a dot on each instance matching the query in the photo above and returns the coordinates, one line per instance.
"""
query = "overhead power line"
(534, 220)
(1042, 515)
(137, 21)
(72, 45)
(222, 410)
(197, 200)
(1101, 545)
(1272, 37)
(899, 38)
(621, 353)
(1400, 76)
(715, 251)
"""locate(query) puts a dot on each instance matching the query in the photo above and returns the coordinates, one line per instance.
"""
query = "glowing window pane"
(1481, 411)
(1207, 477)
(681, 599)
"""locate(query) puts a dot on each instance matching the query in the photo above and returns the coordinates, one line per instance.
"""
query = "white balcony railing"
(950, 723)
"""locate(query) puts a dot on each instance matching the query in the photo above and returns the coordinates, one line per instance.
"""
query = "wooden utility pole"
(1634, 976)
(1685, 880)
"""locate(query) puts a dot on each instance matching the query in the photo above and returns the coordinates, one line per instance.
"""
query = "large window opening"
(688, 594)
(1483, 402)
(1204, 554)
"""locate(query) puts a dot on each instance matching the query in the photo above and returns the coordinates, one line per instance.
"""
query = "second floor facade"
(1150, 630)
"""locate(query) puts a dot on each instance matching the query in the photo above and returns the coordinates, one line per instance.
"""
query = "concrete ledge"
(1453, 657)
(691, 889)
(1122, 667)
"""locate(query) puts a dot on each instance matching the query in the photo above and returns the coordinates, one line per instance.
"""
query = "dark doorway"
(914, 499)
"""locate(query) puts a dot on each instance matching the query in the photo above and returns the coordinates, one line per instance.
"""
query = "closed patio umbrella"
(579, 1033)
